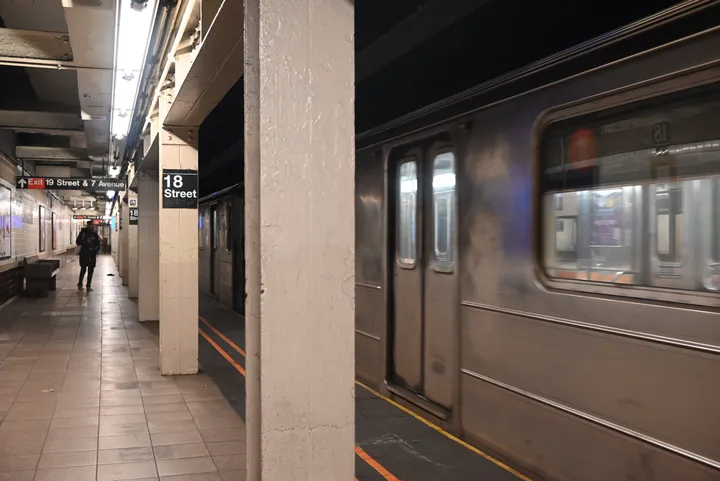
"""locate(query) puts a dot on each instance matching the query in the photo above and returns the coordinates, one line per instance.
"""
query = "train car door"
(238, 249)
(214, 225)
(424, 276)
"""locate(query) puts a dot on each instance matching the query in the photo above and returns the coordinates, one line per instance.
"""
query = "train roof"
(221, 193)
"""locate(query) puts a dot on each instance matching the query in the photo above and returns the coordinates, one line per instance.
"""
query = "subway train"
(538, 259)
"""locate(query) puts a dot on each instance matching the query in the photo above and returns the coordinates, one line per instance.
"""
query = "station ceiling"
(412, 53)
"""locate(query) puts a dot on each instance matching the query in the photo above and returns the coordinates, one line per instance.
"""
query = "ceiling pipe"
(50, 66)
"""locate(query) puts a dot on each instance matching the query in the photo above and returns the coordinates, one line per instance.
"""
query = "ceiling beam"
(51, 153)
(79, 164)
(20, 120)
(30, 45)
(218, 65)
(421, 26)
(43, 131)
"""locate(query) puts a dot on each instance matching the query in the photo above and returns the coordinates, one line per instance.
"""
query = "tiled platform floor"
(81, 397)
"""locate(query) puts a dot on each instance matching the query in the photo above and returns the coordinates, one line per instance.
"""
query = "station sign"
(134, 215)
(180, 189)
(67, 183)
(89, 217)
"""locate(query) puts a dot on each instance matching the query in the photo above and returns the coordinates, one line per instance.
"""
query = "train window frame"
(399, 260)
(435, 263)
(639, 93)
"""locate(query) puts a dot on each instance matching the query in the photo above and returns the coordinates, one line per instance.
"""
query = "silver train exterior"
(537, 260)
(221, 260)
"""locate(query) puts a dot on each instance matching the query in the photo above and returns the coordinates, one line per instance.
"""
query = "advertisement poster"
(5, 222)
(28, 209)
(607, 219)
(42, 229)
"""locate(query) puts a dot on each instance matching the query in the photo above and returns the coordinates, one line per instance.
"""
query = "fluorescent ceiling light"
(133, 34)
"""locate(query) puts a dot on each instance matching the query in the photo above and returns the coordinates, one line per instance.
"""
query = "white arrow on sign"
(22, 183)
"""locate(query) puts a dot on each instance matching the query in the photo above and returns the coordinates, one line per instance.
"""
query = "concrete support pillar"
(119, 239)
(133, 260)
(299, 244)
(178, 259)
(148, 249)
(114, 235)
(124, 244)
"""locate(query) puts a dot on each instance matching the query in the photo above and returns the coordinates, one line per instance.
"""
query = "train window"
(616, 185)
(716, 220)
(668, 218)
(214, 227)
(407, 213)
(228, 228)
(201, 233)
(712, 276)
(443, 184)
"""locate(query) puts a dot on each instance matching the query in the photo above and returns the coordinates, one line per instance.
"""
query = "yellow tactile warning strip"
(362, 454)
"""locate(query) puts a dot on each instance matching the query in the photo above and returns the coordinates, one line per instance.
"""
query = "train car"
(537, 260)
(221, 250)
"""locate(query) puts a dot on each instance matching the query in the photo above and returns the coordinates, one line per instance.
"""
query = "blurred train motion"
(538, 259)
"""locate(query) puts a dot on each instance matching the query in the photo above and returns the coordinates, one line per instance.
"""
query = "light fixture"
(110, 194)
(134, 27)
(138, 5)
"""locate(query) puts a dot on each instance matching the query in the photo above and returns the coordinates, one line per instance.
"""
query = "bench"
(40, 277)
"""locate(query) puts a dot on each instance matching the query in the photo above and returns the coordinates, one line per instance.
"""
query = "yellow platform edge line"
(446, 434)
(472, 448)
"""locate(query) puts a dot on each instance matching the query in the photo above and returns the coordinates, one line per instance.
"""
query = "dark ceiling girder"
(430, 20)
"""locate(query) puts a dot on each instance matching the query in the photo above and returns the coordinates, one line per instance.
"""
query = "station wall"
(32, 223)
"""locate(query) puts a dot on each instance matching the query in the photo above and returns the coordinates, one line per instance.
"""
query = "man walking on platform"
(89, 242)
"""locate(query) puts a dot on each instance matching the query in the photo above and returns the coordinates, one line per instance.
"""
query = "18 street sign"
(134, 215)
(180, 188)
(64, 183)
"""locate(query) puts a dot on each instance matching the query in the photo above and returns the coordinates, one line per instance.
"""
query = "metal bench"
(40, 277)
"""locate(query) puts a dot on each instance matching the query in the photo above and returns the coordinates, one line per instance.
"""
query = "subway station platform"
(392, 443)
(81, 397)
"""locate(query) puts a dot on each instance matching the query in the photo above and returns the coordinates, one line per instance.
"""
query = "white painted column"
(178, 261)
(133, 260)
(299, 187)
(125, 244)
(148, 249)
